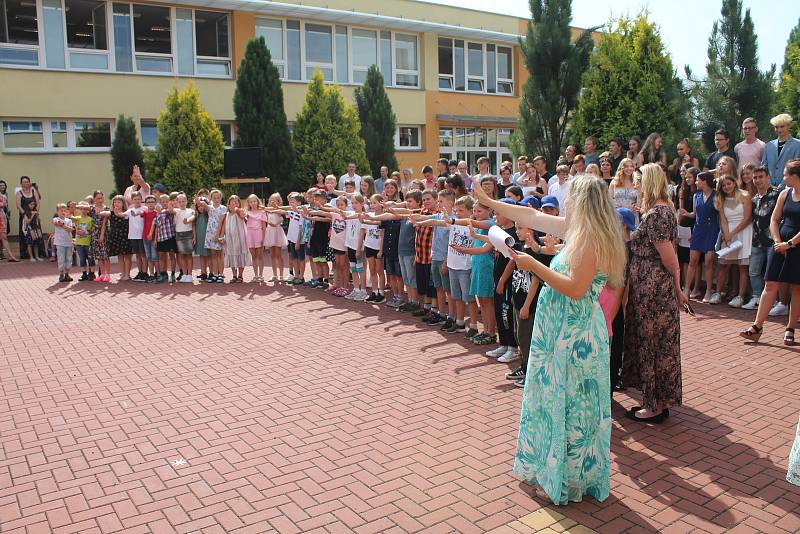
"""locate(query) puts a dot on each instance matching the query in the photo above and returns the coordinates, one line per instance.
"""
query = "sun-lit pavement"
(237, 408)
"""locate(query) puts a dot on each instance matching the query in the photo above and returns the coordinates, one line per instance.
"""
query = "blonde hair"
(619, 178)
(594, 222)
(719, 197)
(466, 202)
(274, 196)
(593, 169)
(781, 120)
(251, 197)
(653, 185)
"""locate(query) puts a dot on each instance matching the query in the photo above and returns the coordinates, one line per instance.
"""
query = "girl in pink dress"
(256, 225)
(275, 238)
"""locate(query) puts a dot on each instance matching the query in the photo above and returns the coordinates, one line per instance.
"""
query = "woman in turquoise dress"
(793, 475)
(564, 443)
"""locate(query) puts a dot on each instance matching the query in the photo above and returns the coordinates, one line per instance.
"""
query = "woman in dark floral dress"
(117, 234)
(652, 317)
(99, 214)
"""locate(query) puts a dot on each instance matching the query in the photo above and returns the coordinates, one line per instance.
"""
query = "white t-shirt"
(293, 233)
(353, 231)
(338, 232)
(135, 222)
(374, 236)
(61, 236)
(180, 215)
(459, 235)
(559, 191)
(345, 177)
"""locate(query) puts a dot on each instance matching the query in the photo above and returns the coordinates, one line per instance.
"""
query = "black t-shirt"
(711, 162)
(615, 163)
(521, 280)
(320, 230)
(501, 261)
(391, 238)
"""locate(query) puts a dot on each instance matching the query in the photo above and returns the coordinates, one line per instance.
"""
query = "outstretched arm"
(526, 216)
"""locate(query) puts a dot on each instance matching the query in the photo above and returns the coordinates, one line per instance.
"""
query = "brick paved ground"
(243, 409)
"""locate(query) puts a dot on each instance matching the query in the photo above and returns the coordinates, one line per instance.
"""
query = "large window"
(56, 135)
(475, 67)
(149, 135)
(469, 144)
(344, 54)
(87, 37)
(152, 37)
(407, 138)
(19, 32)
(212, 43)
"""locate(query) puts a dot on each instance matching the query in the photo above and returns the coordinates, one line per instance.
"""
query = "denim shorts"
(299, 254)
(64, 256)
(150, 251)
(459, 284)
(439, 279)
(408, 271)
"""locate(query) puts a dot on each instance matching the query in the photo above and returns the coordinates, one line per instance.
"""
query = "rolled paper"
(502, 242)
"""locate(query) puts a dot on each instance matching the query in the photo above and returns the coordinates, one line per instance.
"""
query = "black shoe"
(408, 306)
(420, 312)
(61, 278)
(426, 317)
(371, 297)
(656, 419)
(202, 277)
(447, 324)
(84, 278)
(141, 277)
(435, 319)
(516, 374)
(67, 278)
(91, 276)
(378, 298)
(520, 383)
(472, 332)
(456, 329)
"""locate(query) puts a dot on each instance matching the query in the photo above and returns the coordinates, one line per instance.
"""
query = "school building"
(68, 68)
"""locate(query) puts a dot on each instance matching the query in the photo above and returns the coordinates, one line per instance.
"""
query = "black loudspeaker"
(243, 163)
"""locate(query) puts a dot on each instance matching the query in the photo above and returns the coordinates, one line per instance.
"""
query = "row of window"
(469, 144)
(144, 38)
(100, 35)
(94, 135)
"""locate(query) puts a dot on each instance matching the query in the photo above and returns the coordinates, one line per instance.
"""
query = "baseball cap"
(627, 217)
(550, 201)
(531, 201)
(508, 201)
(160, 188)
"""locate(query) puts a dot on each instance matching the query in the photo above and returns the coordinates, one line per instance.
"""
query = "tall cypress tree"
(378, 121)
(734, 88)
(260, 116)
(327, 134)
(788, 98)
(125, 153)
(556, 66)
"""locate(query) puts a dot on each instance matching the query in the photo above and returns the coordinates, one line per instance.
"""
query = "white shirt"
(180, 215)
(135, 222)
(374, 236)
(61, 236)
(515, 177)
(293, 233)
(559, 191)
(353, 231)
(345, 177)
(459, 235)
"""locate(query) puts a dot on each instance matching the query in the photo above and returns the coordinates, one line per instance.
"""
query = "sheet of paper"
(501, 241)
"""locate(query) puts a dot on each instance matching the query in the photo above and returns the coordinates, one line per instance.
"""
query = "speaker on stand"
(243, 166)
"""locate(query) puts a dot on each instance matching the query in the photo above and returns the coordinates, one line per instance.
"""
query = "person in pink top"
(751, 150)
(256, 226)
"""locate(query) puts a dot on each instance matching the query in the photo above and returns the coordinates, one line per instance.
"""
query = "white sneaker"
(779, 309)
(361, 296)
(499, 351)
(736, 302)
(511, 354)
(751, 304)
(352, 295)
(716, 298)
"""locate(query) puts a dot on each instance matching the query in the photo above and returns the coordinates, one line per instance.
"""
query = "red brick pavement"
(297, 411)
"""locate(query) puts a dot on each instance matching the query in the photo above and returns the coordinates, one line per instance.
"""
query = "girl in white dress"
(735, 217)
(216, 210)
(275, 239)
(233, 232)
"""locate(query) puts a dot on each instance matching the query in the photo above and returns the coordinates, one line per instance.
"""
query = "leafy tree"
(787, 99)
(378, 121)
(327, 134)
(189, 150)
(630, 87)
(734, 87)
(260, 116)
(125, 153)
(556, 66)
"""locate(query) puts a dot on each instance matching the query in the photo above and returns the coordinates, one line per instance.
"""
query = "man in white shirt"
(559, 187)
(522, 161)
(751, 150)
(483, 170)
(351, 175)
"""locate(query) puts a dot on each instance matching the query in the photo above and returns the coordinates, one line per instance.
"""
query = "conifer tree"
(378, 121)
(125, 153)
(260, 116)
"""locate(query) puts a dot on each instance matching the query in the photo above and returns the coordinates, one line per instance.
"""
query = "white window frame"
(141, 137)
(360, 68)
(283, 63)
(208, 59)
(47, 134)
(408, 148)
(305, 65)
(405, 72)
(232, 124)
(467, 77)
(453, 151)
(41, 53)
(89, 51)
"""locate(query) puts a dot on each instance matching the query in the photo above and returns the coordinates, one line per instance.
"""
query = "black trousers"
(617, 345)
(504, 317)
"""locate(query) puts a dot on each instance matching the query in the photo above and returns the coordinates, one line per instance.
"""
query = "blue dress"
(706, 224)
(481, 283)
(564, 442)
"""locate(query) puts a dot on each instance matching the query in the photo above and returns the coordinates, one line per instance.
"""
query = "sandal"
(754, 333)
(788, 337)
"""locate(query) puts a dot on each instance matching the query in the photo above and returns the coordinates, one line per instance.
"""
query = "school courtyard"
(236, 408)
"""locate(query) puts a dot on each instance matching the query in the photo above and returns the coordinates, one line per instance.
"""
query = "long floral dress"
(652, 360)
(98, 249)
(793, 475)
(564, 442)
(212, 228)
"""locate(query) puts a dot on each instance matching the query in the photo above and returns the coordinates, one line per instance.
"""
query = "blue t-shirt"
(405, 246)
(441, 240)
